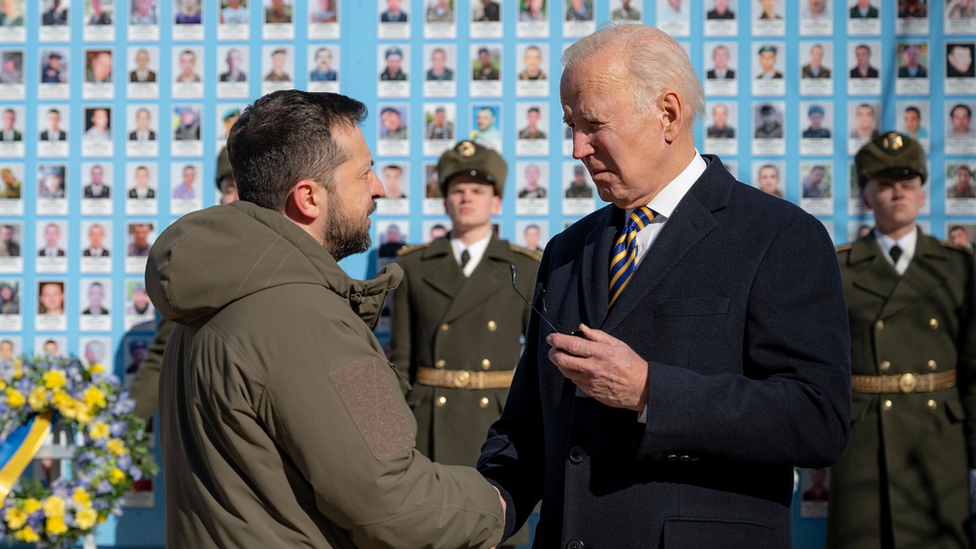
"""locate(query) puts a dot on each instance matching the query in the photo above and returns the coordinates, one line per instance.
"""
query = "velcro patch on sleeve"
(376, 407)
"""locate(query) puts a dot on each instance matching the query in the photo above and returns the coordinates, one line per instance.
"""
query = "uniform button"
(441, 401)
(484, 402)
(879, 324)
(445, 327)
(485, 364)
(492, 325)
(932, 405)
(884, 366)
(672, 457)
(886, 405)
(933, 365)
(577, 455)
(684, 458)
(934, 324)
(441, 363)
(575, 544)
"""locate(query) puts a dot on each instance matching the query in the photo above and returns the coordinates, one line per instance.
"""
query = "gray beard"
(342, 237)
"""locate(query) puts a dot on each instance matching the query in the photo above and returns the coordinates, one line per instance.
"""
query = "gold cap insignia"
(892, 141)
(466, 148)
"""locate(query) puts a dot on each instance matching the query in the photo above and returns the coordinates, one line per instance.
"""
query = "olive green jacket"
(444, 320)
(909, 450)
(281, 422)
(145, 386)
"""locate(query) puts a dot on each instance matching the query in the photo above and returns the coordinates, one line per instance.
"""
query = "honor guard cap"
(471, 158)
(892, 154)
(223, 166)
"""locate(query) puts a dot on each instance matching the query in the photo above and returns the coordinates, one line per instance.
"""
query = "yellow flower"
(84, 413)
(37, 398)
(117, 447)
(55, 525)
(82, 497)
(97, 368)
(53, 506)
(99, 430)
(3, 386)
(27, 534)
(59, 398)
(86, 518)
(94, 397)
(55, 379)
(18, 370)
(116, 476)
(32, 505)
(14, 398)
(15, 518)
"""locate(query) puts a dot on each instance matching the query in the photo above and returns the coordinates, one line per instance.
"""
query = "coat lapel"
(879, 277)
(925, 274)
(690, 222)
(445, 274)
(490, 277)
(594, 276)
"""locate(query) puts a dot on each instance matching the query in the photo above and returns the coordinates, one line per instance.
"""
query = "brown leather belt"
(464, 379)
(904, 383)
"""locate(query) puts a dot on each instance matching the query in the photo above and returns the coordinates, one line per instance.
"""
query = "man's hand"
(504, 507)
(602, 366)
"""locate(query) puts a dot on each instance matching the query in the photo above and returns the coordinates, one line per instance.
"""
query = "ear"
(306, 202)
(496, 205)
(864, 198)
(672, 118)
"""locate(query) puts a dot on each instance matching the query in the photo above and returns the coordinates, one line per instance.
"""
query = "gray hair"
(655, 61)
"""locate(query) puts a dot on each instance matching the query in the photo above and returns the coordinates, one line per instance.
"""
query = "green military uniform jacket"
(443, 320)
(909, 453)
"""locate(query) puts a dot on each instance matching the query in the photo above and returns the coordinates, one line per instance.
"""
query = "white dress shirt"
(907, 245)
(476, 251)
(664, 204)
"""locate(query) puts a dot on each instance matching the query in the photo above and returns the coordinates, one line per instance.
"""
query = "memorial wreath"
(111, 452)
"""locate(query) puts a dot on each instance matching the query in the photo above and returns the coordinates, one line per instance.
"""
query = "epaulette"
(408, 249)
(964, 249)
(844, 248)
(523, 251)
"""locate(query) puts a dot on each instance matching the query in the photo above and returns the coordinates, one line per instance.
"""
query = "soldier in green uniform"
(911, 303)
(457, 322)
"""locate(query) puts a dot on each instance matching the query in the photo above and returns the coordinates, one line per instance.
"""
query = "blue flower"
(125, 462)
(136, 473)
(118, 428)
(103, 488)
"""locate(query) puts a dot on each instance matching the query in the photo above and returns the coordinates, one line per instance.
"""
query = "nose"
(375, 186)
(581, 145)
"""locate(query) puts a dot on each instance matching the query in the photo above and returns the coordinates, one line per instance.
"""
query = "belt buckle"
(907, 383)
(462, 378)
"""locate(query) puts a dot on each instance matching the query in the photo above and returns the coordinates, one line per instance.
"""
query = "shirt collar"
(476, 251)
(668, 198)
(906, 243)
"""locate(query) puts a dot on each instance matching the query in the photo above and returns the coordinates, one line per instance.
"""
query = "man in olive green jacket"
(282, 424)
(911, 302)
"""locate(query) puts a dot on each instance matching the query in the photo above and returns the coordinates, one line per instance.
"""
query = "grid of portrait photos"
(112, 113)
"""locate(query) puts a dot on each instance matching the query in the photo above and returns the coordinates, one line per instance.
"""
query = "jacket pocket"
(954, 410)
(693, 306)
(728, 534)
(858, 410)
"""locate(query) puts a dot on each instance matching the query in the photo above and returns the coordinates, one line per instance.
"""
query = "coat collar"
(491, 275)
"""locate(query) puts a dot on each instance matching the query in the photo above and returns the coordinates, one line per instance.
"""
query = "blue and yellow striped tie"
(623, 263)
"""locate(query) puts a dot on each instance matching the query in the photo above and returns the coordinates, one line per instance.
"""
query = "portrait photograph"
(232, 71)
(139, 310)
(187, 127)
(11, 314)
(142, 72)
(864, 123)
(440, 18)
(52, 139)
(392, 128)
(768, 68)
(578, 189)
(279, 20)
(13, 14)
(95, 305)
(864, 17)
(486, 70)
(188, 69)
(960, 193)
(11, 240)
(143, 20)
(54, 16)
(395, 177)
(816, 187)
(721, 136)
(394, 19)
(54, 74)
(532, 235)
(12, 75)
(816, 68)
(960, 75)
(768, 128)
(187, 20)
(52, 189)
(95, 350)
(12, 131)
(531, 188)
(960, 135)
(97, 183)
(323, 68)
(141, 188)
(99, 75)
(673, 17)
(391, 237)
(52, 246)
(486, 125)
(914, 119)
(533, 18)
(531, 65)
(721, 75)
(96, 247)
(134, 353)
(532, 134)
(51, 301)
(627, 11)
(768, 17)
(578, 17)
(769, 176)
(816, 17)
(277, 68)
(440, 128)
(394, 63)
(440, 70)
(912, 17)
(816, 128)
(863, 60)
(139, 237)
(721, 17)
(959, 17)
(486, 18)
(227, 115)
(186, 187)
(913, 68)
(99, 20)
(96, 141)
(11, 188)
